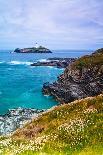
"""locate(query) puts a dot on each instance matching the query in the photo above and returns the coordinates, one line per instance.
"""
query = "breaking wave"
(19, 63)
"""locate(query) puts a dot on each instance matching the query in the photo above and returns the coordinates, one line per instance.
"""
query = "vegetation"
(69, 129)
(92, 60)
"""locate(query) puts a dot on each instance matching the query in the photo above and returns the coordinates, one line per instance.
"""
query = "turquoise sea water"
(21, 84)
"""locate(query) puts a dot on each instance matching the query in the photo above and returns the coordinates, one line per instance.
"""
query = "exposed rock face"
(16, 118)
(40, 49)
(55, 62)
(80, 79)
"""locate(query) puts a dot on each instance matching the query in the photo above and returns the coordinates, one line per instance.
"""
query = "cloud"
(55, 23)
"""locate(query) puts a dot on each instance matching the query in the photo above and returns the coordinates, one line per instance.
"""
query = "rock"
(99, 51)
(55, 62)
(16, 118)
(39, 49)
(82, 78)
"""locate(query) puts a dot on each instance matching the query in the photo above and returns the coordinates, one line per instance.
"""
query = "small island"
(36, 49)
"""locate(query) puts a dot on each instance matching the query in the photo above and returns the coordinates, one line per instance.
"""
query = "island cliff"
(39, 49)
(80, 79)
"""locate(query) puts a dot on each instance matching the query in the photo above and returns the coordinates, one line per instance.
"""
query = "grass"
(69, 129)
(92, 60)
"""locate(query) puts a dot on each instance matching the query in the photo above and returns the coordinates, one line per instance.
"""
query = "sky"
(56, 24)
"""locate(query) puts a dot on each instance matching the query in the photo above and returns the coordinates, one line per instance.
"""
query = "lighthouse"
(36, 45)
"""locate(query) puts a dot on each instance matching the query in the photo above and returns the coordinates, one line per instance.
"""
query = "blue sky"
(56, 24)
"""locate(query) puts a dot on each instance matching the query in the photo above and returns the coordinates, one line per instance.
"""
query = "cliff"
(80, 79)
(69, 129)
(40, 49)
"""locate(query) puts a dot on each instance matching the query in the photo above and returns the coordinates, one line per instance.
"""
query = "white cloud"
(52, 22)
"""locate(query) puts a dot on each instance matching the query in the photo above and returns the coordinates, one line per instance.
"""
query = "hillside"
(80, 79)
(69, 129)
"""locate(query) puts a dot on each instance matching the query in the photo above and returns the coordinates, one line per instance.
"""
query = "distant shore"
(39, 49)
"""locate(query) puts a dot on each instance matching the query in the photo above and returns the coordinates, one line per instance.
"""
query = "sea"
(21, 84)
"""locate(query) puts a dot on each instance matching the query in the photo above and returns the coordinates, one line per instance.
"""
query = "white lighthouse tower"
(36, 45)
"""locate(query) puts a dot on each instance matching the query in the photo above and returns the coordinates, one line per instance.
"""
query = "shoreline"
(16, 118)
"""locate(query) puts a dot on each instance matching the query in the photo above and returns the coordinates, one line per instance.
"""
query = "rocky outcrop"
(55, 62)
(39, 49)
(16, 118)
(80, 79)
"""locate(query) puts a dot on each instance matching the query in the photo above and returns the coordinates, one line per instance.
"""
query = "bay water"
(21, 84)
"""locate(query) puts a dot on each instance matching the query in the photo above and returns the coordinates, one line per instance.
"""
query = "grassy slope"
(75, 129)
(95, 59)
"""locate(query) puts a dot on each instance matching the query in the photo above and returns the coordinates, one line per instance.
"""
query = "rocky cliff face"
(80, 79)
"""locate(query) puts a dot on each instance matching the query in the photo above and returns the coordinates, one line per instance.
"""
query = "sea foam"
(44, 60)
(19, 63)
(2, 62)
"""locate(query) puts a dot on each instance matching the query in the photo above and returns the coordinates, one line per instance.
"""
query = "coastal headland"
(80, 79)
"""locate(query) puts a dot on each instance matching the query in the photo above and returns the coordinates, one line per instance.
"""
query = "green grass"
(92, 60)
(70, 129)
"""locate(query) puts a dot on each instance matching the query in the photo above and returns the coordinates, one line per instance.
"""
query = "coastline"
(14, 115)
(30, 130)
(17, 118)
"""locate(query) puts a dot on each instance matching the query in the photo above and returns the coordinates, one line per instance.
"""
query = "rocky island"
(39, 49)
(55, 62)
(80, 79)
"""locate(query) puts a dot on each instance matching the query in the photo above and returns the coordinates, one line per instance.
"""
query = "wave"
(50, 67)
(43, 60)
(59, 68)
(47, 96)
(1, 62)
(54, 67)
(19, 63)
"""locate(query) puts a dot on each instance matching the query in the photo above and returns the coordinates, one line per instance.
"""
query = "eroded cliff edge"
(80, 79)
